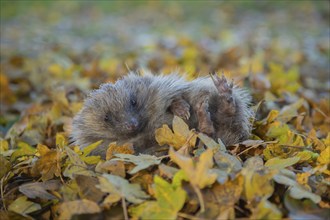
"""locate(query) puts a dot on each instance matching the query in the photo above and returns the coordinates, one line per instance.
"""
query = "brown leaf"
(40, 189)
(68, 209)
(87, 188)
(48, 164)
(113, 149)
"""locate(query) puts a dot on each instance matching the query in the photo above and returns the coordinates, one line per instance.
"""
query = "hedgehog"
(134, 107)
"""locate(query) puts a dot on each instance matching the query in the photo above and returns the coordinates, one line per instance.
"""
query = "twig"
(200, 198)
(123, 202)
(184, 215)
(247, 149)
(255, 146)
(2, 195)
(322, 113)
(298, 147)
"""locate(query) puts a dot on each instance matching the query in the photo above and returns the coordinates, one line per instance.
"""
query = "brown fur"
(135, 106)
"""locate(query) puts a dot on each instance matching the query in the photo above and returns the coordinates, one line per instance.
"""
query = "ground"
(54, 53)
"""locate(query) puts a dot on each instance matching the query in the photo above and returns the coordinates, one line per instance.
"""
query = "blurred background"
(76, 45)
(163, 36)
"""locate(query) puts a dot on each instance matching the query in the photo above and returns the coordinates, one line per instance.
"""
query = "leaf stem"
(2, 194)
(123, 202)
(184, 215)
(200, 198)
(298, 147)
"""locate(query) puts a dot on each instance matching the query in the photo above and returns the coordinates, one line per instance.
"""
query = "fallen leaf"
(117, 185)
(170, 200)
(180, 136)
(88, 189)
(296, 190)
(5, 166)
(85, 152)
(113, 167)
(40, 189)
(142, 161)
(76, 166)
(68, 209)
(304, 209)
(24, 149)
(282, 81)
(48, 165)
(113, 149)
(22, 206)
(199, 174)
(210, 143)
(258, 180)
(266, 210)
(279, 163)
(324, 157)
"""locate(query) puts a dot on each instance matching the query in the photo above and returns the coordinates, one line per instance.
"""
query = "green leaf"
(22, 206)
(170, 200)
(258, 180)
(90, 159)
(278, 163)
(117, 185)
(76, 165)
(277, 129)
(168, 195)
(266, 210)
(5, 166)
(24, 149)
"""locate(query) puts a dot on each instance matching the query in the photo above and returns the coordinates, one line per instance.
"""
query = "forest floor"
(54, 53)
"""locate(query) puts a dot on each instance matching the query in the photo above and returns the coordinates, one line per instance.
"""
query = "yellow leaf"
(22, 206)
(324, 157)
(306, 155)
(4, 146)
(24, 149)
(55, 69)
(48, 164)
(266, 210)
(282, 81)
(84, 206)
(273, 114)
(290, 111)
(302, 178)
(278, 163)
(118, 149)
(326, 141)
(180, 136)
(257, 181)
(42, 149)
(315, 141)
(61, 141)
(199, 174)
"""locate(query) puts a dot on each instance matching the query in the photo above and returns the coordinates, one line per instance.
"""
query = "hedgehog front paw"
(225, 90)
(181, 108)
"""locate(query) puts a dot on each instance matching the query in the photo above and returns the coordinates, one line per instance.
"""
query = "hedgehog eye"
(107, 118)
(133, 102)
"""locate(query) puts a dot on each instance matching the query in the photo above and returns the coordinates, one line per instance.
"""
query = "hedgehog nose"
(132, 125)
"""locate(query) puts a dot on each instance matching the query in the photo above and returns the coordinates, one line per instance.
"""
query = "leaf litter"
(282, 171)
